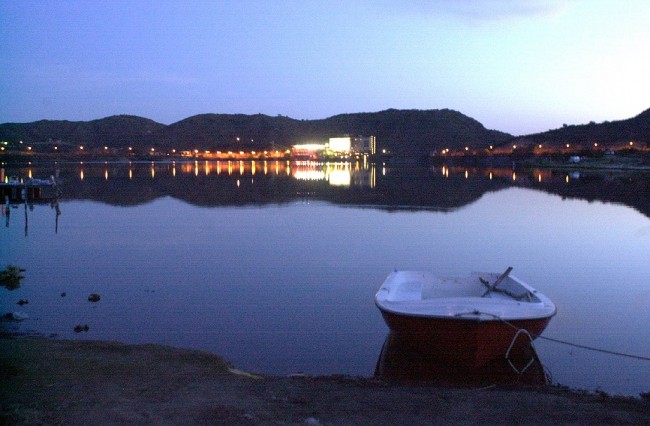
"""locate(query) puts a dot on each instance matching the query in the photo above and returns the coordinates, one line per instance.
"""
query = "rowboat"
(469, 321)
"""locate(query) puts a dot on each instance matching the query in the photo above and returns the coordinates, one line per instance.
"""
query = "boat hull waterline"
(461, 320)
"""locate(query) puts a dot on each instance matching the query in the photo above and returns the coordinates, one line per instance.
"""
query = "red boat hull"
(467, 342)
(399, 362)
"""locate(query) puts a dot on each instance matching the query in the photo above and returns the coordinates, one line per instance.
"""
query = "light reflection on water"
(287, 286)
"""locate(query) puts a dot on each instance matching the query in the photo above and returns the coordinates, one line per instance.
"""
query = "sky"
(518, 66)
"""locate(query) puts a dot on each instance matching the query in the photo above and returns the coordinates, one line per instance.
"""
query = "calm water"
(275, 266)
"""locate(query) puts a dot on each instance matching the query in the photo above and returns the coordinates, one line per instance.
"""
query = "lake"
(274, 265)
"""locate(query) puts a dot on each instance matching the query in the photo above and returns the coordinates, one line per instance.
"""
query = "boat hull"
(399, 362)
(467, 342)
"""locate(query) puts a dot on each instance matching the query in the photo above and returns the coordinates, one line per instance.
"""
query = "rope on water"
(590, 348)
(563, 342)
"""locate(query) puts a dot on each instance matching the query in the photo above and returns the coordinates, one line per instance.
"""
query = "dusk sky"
(519, 66)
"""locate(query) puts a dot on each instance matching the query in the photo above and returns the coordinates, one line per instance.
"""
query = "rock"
(15, 316)
(80, 328)
(93, 297)
(63, 294)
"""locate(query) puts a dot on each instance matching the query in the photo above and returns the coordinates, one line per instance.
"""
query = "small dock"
(14, 190)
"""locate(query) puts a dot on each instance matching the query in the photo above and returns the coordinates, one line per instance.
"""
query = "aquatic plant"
(10, 277)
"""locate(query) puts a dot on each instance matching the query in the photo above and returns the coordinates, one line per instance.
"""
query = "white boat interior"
(482, 295)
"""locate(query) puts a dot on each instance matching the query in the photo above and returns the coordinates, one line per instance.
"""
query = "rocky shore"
(46, 381)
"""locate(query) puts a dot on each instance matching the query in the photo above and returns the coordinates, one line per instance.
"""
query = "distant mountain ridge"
(117, 130)
(609, 132)
(402, 132)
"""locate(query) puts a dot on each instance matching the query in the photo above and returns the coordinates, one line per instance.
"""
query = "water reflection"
(268, 269)
(442, 188)
(28, 206)
(400, 361)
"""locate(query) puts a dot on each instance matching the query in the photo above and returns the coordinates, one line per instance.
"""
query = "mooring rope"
(563, 342)
(591, 348)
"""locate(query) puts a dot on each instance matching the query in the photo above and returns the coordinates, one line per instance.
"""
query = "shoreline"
(625, 161)
(81, 381)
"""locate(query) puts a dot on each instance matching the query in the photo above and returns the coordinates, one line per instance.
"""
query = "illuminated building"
(356, 145)
(308, 151)
(340, 145)
(364, 145)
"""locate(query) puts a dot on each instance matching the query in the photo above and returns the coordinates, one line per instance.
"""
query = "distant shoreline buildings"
(337, 147)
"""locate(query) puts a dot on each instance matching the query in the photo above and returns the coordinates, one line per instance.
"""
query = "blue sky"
(519, 66)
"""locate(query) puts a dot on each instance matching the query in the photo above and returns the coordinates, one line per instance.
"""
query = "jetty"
(17, 190)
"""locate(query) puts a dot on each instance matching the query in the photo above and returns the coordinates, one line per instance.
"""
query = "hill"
(403, 132)
(607, 133)
(116, 131)
(413, 132)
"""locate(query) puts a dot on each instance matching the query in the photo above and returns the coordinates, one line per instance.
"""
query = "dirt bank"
(90, 382)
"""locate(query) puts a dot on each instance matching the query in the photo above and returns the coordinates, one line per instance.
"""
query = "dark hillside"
(609, 132)
(220, 131)
(116, 131)
(402, 132)
(415, 132)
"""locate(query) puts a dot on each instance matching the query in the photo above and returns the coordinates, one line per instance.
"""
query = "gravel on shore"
(45, 381)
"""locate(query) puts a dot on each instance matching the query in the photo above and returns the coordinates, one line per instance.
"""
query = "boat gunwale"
(542, 309)
(470, 315)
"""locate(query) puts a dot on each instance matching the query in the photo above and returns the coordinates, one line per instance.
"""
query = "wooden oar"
(502, 277)
(496, 283)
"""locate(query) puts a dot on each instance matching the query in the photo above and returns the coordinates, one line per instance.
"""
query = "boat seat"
(449, 288)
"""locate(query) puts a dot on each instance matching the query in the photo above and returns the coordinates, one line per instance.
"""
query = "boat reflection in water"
(401, 361)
